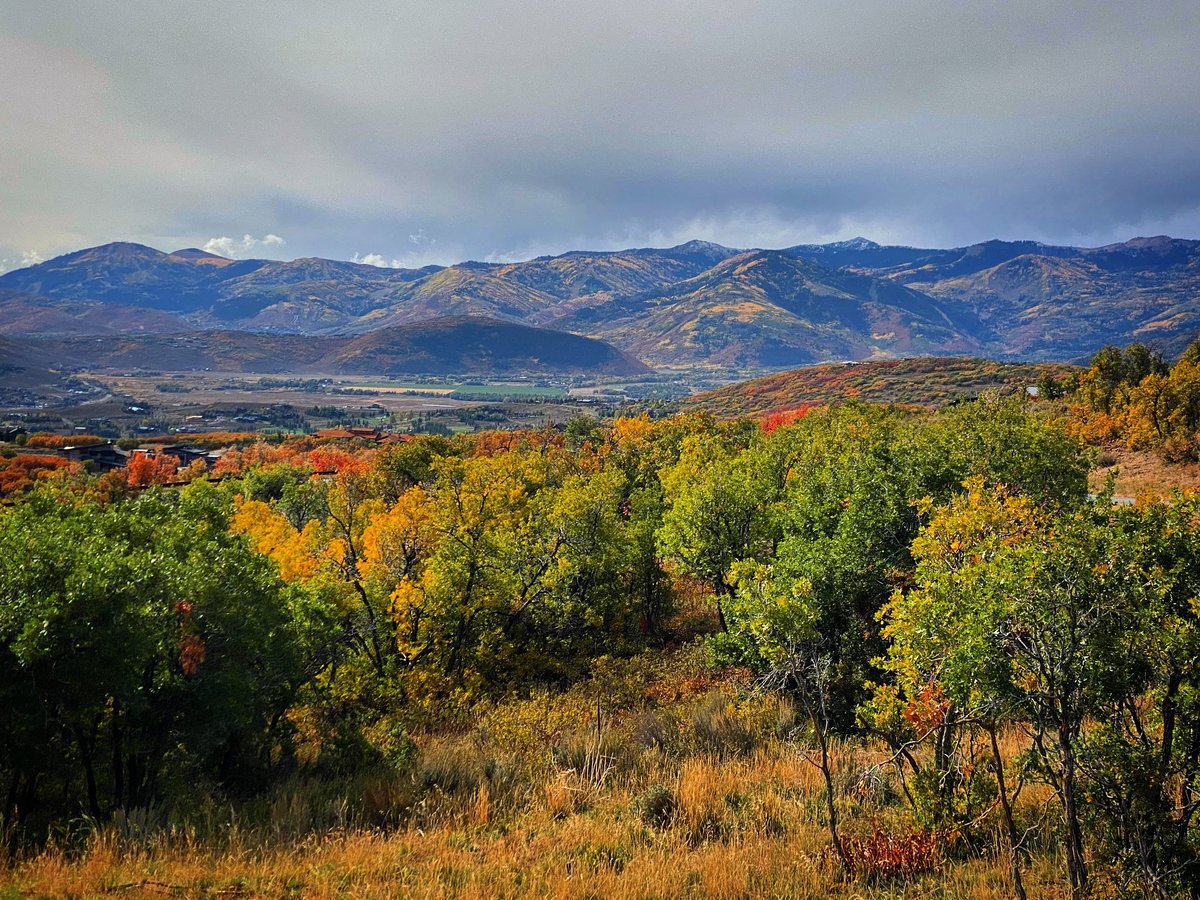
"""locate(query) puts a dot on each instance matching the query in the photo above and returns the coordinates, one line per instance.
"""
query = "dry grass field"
(1142, 472)
(706, 793)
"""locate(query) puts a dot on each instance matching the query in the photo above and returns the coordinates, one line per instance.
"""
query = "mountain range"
(697, 304)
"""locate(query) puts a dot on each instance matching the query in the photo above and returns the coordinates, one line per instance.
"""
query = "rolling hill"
(448, 345)
(30, 314)
(925, 381)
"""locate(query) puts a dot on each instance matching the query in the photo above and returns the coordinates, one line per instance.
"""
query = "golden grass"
(691, 795)
(748, 826)
(586, 855)
(1143, 473)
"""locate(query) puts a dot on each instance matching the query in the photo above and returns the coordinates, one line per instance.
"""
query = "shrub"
(884, 855)
(718, 728)
(656, 806)
(452, 767)
(651, 729)
(1181, 448)
(591, 759)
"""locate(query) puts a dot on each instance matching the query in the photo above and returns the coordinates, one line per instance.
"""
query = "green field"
(473, 391)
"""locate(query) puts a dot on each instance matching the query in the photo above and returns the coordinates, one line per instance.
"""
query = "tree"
(141, 645)
(1021, 614)
(718, 497)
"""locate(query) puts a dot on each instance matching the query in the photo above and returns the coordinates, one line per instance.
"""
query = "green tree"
(719, 497)
(142, 645)
(1023, 616)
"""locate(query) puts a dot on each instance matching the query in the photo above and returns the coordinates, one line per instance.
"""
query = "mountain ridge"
(689, 305)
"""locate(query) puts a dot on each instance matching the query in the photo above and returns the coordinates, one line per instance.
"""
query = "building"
(102, 457)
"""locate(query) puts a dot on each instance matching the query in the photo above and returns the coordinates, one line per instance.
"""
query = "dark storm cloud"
(440, 130)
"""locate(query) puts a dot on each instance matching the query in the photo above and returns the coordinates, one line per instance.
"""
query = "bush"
(884, 855)
(453, 768)
(650, 729)
(656, 807)
(718, 728)
(1181, 448)
(591, 759)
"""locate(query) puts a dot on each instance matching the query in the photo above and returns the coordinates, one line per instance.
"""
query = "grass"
(742, 828)
(1141, 472)
(680, 786)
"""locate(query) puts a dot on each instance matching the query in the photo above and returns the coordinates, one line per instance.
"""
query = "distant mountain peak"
(706, 249)
(1158, 243)
(118, 250)
(858, 244)
(854, 243)
(698, 246)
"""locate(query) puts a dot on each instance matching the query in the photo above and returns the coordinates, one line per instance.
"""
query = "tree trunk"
(1014, 853)
(118, 762)
(89, 773)
(830, 807)
(1076, 864)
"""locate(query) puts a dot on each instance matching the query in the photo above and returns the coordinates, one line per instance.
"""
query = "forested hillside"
(928, 381)
(869, 650)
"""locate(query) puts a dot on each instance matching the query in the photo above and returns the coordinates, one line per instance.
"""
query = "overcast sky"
(439, 130)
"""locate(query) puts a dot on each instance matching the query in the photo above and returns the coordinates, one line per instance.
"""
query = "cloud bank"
(516, 128)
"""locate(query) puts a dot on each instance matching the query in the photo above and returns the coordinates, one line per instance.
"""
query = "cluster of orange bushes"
(144, 470)
(47, 441)
(1134, 397)
(884, 854)
(781, 417)
(19, 473)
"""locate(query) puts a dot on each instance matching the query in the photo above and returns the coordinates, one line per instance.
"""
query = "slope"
(772, 308)
(461, 345)
(922, 381)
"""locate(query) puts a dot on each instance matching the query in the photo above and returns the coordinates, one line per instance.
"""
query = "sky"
(407, 133)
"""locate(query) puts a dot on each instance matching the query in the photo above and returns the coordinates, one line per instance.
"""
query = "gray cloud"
(439, 131)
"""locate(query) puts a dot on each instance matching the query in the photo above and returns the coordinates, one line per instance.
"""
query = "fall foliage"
(920, 610)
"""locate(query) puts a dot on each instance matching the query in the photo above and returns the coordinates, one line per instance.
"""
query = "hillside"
(770, 308)
(33, 315)
(473, 345)
(696, 304)
(458, 345)
(924, 381)
(1040, 301)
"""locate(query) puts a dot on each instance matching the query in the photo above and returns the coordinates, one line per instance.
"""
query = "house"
(331, 434)
(187, 454)
(102, 457)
